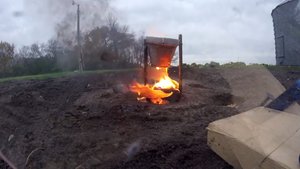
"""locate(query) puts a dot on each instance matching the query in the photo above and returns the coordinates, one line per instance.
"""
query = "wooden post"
(80, 57)
(180, 64)
(145, 63)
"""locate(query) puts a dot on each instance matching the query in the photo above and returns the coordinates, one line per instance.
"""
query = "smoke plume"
(60, 16)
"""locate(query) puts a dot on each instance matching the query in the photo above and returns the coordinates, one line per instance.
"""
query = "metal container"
(161, 50)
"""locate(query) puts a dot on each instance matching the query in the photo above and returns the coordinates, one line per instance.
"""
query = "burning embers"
(158, 91)
(158, 87)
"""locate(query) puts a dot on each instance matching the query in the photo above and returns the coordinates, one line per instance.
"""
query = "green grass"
(243, 65)
(61, 74)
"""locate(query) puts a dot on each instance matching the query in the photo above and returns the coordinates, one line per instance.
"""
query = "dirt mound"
(251, 86)
(255, 86)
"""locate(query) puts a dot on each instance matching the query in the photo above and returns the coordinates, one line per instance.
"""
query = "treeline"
(106, 47)
(213, 64)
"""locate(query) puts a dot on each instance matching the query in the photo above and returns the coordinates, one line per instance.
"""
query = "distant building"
(286, 20)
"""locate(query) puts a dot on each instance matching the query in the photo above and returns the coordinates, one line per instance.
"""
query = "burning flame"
(166, 83)
(158, 91)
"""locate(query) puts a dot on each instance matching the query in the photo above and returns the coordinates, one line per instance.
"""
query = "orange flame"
(156, 92)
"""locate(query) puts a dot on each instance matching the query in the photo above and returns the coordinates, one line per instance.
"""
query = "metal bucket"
(161, 50)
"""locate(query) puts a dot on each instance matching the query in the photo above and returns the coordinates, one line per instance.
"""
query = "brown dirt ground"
(286, 77)
(92, 121)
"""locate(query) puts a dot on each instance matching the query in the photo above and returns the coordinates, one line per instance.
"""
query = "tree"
(121, 41)
(95, 47)
(111, 44)
(35, 51)
(52, 48)
(138, 51)
(6, 56)
(24, 52)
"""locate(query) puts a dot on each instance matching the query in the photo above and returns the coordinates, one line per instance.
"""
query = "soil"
(93, 121)
(286, 77)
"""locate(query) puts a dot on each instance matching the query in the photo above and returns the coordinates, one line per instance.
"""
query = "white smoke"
(39, 21)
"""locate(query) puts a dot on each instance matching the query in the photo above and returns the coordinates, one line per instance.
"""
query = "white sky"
(213, 30)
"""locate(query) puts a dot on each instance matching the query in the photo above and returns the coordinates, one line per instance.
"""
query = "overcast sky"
(213, 30)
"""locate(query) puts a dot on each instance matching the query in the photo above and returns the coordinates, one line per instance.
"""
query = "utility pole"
(80, 53)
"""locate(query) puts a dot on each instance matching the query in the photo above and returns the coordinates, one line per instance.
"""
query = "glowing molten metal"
(158, 91)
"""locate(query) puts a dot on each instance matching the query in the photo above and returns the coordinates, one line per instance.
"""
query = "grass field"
(60, 74)
(74, 73)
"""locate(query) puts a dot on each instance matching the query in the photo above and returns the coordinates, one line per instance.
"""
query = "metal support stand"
(180, 64)
(145, 63)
